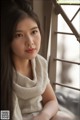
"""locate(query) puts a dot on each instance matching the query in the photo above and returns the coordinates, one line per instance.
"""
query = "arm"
(50, 104)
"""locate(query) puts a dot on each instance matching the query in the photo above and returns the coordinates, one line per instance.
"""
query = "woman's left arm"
(50, 104)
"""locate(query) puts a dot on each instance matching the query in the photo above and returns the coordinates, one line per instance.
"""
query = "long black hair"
(12, 11)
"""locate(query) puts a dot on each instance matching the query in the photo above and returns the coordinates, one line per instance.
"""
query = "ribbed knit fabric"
(27, 93)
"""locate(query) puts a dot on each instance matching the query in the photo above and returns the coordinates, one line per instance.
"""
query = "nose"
(29, 41)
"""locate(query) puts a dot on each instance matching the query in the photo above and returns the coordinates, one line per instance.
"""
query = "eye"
(18, 35)
(34, 32)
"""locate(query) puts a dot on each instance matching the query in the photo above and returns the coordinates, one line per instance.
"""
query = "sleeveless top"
(27, 93)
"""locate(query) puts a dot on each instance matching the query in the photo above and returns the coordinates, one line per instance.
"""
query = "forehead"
(26, 23)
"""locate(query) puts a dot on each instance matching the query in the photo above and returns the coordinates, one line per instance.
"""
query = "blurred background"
(68, 48)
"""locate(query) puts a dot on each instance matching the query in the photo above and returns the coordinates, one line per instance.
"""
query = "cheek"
(15, 46)
(38, 40)
(38, 44)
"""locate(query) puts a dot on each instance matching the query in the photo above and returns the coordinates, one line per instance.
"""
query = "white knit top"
(27, 93)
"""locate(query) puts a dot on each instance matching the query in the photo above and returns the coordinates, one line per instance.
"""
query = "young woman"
(25, 87)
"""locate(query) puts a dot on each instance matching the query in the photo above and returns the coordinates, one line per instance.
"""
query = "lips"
(31, 50)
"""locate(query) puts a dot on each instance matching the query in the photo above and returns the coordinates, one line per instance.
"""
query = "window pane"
(68, 48)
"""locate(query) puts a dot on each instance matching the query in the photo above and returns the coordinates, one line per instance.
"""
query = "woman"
(25, 87)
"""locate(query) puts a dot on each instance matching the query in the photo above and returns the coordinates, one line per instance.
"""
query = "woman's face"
(26, 40)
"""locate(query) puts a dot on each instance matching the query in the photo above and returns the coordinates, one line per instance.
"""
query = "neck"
(24, 67)
(21, 64)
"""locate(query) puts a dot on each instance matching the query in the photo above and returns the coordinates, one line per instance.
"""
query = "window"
(68, 61)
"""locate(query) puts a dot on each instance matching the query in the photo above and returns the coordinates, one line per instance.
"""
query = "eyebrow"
(30, 29)
(34, 28)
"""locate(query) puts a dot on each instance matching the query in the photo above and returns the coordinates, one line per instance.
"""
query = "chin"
(32, 56)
